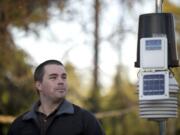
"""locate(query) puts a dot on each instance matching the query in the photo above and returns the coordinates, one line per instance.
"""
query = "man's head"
(50, 79)
(39, 71)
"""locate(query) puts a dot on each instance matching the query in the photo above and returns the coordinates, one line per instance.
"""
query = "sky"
(66, 41)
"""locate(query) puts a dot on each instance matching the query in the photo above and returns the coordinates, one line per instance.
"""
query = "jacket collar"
(65, 108)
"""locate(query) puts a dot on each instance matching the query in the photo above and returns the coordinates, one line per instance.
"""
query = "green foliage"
(121, 97)
(16, 81)
(175, 9)
(75, 92)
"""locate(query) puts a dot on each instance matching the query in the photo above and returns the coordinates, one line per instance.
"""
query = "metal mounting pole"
(162, 123)
(159, 6)
(162, 126)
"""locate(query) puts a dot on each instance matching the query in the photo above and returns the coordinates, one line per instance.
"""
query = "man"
(53, 114)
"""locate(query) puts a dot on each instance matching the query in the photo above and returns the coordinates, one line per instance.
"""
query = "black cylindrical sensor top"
(156, 25)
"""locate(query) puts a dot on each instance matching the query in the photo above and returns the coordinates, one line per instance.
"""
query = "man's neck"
(48, 107)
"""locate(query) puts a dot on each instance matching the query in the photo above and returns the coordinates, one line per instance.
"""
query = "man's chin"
(61, 95)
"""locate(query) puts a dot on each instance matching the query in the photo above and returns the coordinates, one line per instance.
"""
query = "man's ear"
(38, 85)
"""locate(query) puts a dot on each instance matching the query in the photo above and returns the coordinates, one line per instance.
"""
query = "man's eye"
(53, 77)
(64, 77)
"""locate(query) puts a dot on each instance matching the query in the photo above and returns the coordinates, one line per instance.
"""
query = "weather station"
(156, 54)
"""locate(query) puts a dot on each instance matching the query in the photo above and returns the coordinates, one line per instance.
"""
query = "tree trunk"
(94, 96)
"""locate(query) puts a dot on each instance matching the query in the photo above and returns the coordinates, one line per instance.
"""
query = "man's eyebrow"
(53, 74)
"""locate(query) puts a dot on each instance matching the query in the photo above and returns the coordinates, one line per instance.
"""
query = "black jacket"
(69, 120)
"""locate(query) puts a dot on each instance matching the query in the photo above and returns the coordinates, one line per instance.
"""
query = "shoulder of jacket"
(19, 117)
(83, 112)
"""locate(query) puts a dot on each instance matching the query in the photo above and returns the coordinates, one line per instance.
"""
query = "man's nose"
(60, 80)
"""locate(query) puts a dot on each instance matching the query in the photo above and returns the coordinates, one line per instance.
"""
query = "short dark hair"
(39, 71)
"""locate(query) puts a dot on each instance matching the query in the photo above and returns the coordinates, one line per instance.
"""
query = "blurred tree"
(120, 97)
(95, 91)
(15, 66)
(116, 37)
(75, 92)
(16, 72)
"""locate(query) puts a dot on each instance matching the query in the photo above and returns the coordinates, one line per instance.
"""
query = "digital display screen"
(153, 44)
